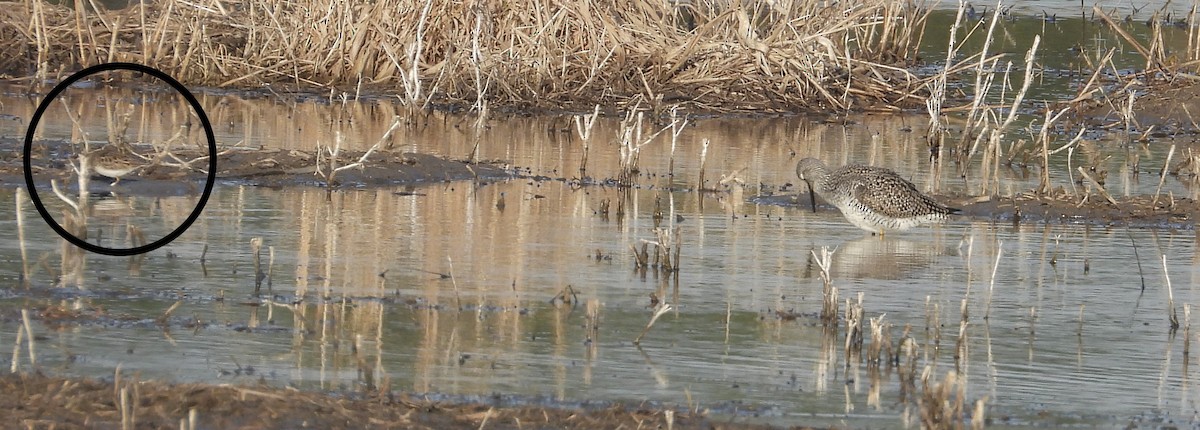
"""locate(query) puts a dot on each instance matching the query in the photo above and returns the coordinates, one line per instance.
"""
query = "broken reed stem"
(270, 270)
(728, 318)
(666, 251)
(16, 355)
(830, 304)
(662, 308)
(877, 341)
(1099, 187)
(203, 255)
(29, 335)
(1137, 258)
(457, 298)
(1162, 176)
(978, 418)
(982, 84)
(676, 129)
(630, 147)
(937, 86)
(960, 347)
(703, 155)
(1070, 172)
(854, 336)
(987, 312)
(1151, 59)
(583, 126)
(1187, 328)
(1079, 329)
(20, 197)
(1030, 56)
(941, 403)
(1172, 318)
(256, 256)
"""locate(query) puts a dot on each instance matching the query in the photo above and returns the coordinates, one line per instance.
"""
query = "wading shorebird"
(873, 198)
(114, 163)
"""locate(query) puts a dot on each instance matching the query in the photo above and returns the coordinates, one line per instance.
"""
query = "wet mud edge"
(279, 168)
(67, 403)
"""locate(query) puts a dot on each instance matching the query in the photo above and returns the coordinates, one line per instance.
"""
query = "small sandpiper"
(114, 163)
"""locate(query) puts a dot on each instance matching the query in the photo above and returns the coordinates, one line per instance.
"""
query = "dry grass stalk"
(1162, 177)
(20, 216)
(454, 282)
(566, 296)
(1097, 185)
(960, 345)
(937, 86)
(992, 281)
(983, 79)
(270, 270)
(660, 308)
(29, 334)
(16, 355)
(332, 154)
(1153, 58)
(1172, 318)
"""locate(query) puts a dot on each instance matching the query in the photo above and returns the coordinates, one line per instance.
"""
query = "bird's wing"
(886, 193)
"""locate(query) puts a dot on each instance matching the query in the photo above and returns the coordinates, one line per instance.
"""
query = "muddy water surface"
(437, 289)
(490, 329)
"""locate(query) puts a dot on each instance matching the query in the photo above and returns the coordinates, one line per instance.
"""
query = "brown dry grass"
(711, 55)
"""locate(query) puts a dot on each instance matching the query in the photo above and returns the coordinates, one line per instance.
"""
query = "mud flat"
(37, 401)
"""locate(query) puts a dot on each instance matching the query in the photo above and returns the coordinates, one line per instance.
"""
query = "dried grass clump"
(709, 55)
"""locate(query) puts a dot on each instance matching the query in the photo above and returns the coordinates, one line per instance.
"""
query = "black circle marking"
(208, 185)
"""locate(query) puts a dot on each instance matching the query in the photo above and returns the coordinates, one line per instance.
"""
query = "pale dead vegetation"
(705, 54)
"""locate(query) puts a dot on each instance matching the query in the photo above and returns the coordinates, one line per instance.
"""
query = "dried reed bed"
(711, 55)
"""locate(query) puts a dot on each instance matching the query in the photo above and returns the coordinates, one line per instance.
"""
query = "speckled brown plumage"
(873, 198)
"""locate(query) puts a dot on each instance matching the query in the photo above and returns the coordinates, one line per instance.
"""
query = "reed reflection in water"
(358, 300)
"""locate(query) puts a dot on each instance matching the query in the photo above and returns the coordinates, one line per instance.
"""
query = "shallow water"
(1071, 330)
(723, 348)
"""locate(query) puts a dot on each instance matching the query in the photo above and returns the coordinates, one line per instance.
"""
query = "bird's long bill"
(812, 197)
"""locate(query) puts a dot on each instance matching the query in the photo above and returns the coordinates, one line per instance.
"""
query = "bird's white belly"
(875, 223)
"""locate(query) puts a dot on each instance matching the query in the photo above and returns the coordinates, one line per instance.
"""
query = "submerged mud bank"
(261, 167)
(1136, 211)
(278, 168)
(40, 401)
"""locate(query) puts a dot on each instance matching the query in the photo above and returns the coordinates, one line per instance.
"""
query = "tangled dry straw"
(713, 55)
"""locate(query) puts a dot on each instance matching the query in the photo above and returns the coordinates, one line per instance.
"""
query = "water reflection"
(887, 258)
(445, 293)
